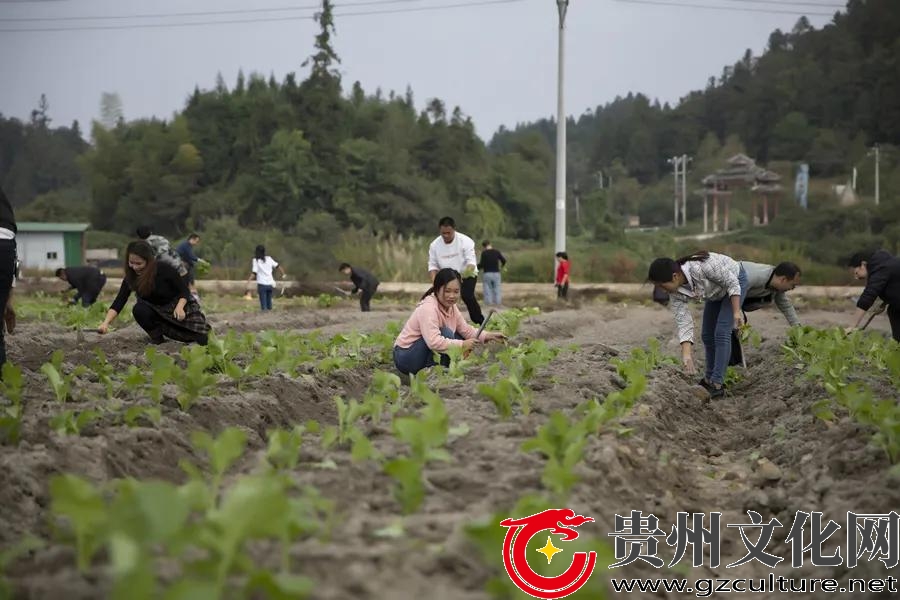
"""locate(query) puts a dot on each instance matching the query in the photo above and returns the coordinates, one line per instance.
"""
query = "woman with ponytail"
(435, 325)
(720, 282)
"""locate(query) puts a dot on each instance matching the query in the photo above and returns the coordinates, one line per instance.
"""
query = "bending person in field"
(435, 325)
(722, 283)
(881, 271)
(164, 306)
(770, 285)
(162, 249)
(87, 281)
(363, 281)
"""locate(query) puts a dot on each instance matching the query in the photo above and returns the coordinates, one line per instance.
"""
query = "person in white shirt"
(262, 268)
(722, 283)
(454, 250)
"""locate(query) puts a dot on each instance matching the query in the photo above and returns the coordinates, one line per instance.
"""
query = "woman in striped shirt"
(722, 283)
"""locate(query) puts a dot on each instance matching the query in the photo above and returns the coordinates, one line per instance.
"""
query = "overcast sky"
(497, 62)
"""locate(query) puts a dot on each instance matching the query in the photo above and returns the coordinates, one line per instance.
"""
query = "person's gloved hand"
(468, 273)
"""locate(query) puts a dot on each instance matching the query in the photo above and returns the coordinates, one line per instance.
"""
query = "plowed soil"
(760, 449)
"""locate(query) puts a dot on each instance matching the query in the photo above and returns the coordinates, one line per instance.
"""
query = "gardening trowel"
(484, 324)
(874, 313)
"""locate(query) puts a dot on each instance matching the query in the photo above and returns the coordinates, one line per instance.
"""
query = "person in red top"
(562, 275)
(435, 325)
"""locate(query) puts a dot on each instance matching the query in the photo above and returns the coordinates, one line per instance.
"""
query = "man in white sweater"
(454, 250)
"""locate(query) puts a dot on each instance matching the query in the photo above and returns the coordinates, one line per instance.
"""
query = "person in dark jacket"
(186, 251)
(881, 271)
(87, 281)
(7, 269)
(363, 281)
(490, 264)
(164, 307)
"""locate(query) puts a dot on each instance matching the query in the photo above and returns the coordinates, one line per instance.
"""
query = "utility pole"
(675, 161)
(877, 154)
(684, 162)
(562, 6)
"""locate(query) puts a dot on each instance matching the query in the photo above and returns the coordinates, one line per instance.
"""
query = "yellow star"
(549, 550)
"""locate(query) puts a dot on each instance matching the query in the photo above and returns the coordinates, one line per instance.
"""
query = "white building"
(49, 246)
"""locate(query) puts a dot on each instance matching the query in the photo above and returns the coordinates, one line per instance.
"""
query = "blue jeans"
(419, 356)
(718, 322)
(265, 296)
(491, 286)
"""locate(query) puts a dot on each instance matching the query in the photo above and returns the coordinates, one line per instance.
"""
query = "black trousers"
(90, 295)
(365, 297)
(149, 321)
(894, 317)
(7, 272)
(467, 291)
(562, 291)
(153, 324)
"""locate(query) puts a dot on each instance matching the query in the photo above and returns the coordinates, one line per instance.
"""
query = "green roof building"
(49, 246)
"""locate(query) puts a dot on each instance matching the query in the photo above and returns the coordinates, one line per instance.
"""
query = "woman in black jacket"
(7, 269)
(164, 307)
(881, 271)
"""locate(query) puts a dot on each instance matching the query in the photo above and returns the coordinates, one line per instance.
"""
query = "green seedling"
(383, 391)
(105, 372)
(221, 452)
(348, 414)
(70, 422)
(195, 380)
(12, 387)
(78, 501)
(502, 394)
(163, 371)
(283, 451)
(425, 436)
(562, 444)
(60, 383)
(152, 414)
(834, 359)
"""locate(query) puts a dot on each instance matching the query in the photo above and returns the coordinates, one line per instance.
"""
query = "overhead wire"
(202, 13)
(770, 11)
(257, 20)
(792, 2)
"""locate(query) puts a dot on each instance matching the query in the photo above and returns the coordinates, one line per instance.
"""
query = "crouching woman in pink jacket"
(435, 325)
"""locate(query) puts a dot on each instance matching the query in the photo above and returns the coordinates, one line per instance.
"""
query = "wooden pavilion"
(742, 172)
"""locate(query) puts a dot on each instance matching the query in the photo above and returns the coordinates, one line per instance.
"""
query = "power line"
(205, 13)
(783, 2)
(729, 8)
(259, 20)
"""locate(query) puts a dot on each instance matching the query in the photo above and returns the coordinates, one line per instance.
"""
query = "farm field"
(397, 489)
